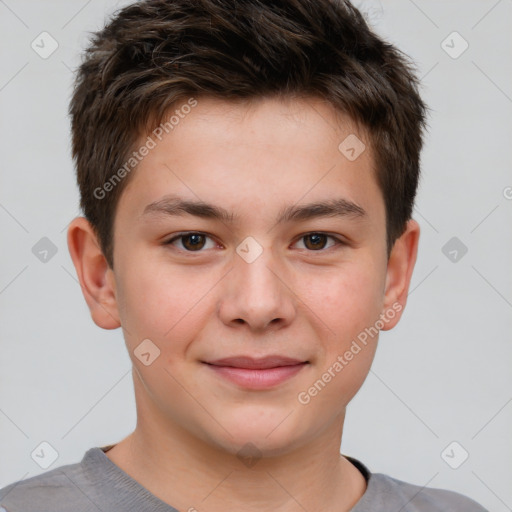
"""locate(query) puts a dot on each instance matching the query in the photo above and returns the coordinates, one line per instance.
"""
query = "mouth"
(262, 373)
(251, 363)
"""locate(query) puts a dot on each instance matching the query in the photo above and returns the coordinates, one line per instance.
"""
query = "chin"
(259, 434)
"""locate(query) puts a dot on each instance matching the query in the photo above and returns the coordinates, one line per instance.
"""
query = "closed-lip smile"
(272, 361)
(257, 373)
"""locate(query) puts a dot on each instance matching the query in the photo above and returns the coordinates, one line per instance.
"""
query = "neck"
(190, 473)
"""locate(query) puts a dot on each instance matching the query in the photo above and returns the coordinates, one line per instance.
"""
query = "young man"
(247, 171)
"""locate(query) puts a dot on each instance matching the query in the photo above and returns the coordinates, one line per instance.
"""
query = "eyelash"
(338, 241)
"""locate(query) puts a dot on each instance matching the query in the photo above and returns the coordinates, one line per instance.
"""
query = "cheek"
(163, 304)
(348, 308)
(346, 300)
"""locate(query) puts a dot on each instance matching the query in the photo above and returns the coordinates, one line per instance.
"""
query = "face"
(259, 280)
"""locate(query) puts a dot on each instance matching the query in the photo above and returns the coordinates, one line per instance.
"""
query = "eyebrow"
(175, 206)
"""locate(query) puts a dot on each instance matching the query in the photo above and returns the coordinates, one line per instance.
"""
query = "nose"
(256, 294)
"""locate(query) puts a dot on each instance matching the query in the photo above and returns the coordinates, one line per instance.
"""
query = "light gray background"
(442, 375)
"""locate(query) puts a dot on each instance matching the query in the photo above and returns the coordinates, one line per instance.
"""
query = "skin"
(300, 298)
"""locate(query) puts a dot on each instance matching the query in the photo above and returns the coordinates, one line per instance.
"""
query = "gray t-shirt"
(97, 484)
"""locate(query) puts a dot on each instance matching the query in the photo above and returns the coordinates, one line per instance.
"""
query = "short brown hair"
(155, 53)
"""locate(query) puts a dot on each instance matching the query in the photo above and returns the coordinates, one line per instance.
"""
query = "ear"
(399, 271)
(95, 276)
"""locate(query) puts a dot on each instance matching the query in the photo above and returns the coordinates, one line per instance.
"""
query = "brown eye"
(317, 241)
(191, 242)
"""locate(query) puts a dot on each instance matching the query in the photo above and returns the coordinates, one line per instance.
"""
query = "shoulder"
(94, 484)
(47, 492)
(385, 491)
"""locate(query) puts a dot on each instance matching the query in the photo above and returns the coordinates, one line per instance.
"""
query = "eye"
(195, 241)
(191, 242)
(316, 241)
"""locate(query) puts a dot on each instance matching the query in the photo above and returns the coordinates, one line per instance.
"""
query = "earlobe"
(93, 273)
(399, 272)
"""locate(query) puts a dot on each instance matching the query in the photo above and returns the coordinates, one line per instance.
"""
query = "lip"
(251, 363)
(262, 373)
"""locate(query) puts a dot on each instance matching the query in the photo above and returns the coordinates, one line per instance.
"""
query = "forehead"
(256, 158)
